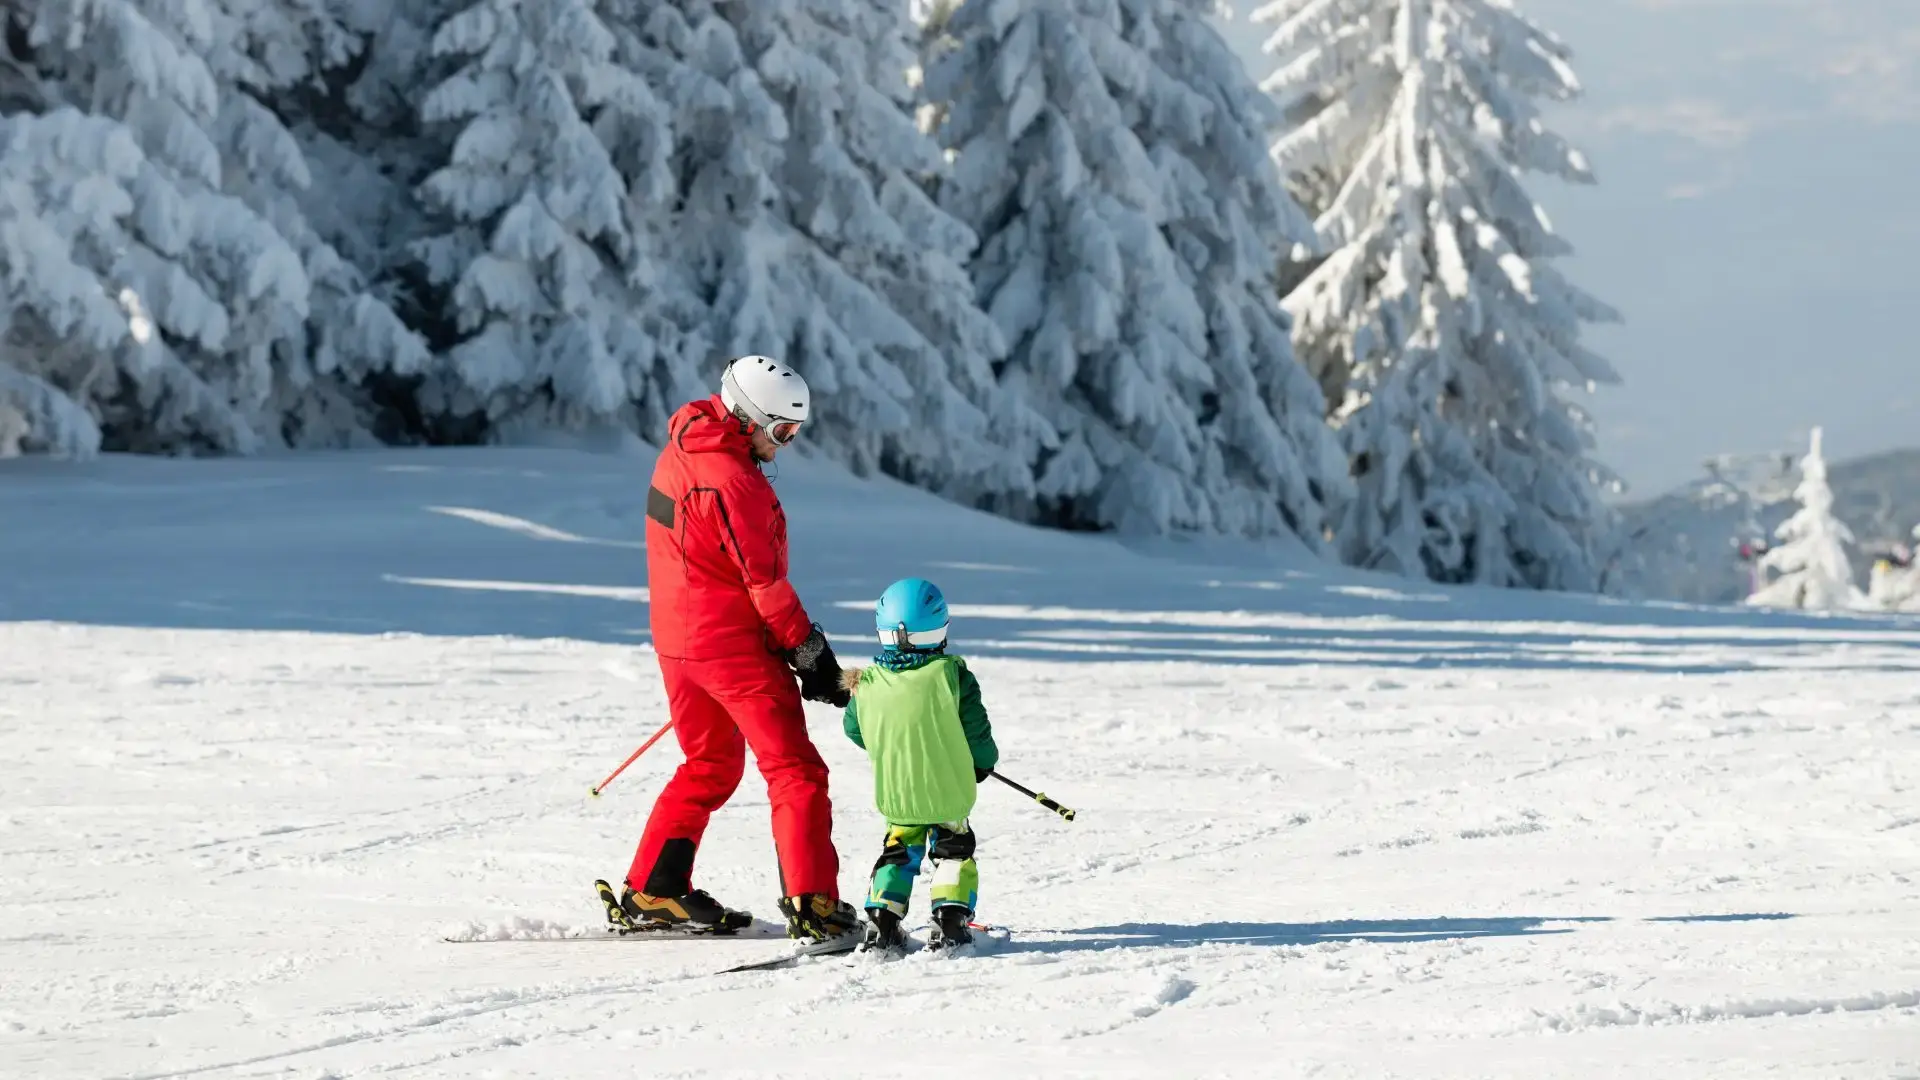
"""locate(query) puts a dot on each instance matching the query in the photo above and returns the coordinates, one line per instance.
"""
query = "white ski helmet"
(768, 393)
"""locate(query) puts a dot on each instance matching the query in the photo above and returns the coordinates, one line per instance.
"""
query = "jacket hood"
(707, 427)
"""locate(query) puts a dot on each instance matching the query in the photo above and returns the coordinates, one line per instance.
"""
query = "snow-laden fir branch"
(1436, 309)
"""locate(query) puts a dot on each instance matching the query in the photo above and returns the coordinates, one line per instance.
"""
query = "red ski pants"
(719, 709)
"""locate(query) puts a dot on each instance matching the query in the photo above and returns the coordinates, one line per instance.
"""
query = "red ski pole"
(596, 789)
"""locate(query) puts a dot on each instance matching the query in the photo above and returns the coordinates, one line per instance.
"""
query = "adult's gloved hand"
(980, 775)
(819, 670)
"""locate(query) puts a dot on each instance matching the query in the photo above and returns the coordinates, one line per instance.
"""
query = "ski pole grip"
(1063, 811)
(1036, 796)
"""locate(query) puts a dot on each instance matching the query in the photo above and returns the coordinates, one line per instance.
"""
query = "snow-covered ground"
(273, 728)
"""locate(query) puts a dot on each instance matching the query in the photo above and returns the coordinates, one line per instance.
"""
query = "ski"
(855, 944)
(758, 932)
(895, 951)
(740, 926)
(845, 943)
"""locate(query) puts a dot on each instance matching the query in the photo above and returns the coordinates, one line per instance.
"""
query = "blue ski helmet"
(911, 614)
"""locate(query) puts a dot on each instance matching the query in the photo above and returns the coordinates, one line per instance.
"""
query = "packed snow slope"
(274, 728)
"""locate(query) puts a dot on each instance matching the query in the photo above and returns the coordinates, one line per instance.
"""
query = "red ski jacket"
(717, 545)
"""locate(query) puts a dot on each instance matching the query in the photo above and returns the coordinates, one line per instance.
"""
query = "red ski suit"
(722, 611)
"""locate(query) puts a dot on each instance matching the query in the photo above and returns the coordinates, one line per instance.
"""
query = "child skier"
(916, 711)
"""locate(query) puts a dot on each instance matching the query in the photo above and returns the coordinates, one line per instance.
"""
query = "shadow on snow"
(1382, 931)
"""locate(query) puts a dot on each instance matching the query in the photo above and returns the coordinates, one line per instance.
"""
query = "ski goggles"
(902, 638)
(784, 431)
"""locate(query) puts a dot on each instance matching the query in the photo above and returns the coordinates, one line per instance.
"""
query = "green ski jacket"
(922, 722)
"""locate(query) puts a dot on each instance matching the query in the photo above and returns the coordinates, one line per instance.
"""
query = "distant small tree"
(1812, 561)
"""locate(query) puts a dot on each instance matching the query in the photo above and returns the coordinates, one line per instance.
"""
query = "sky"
(1758, 199)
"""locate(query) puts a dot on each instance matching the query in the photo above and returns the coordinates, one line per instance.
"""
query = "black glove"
(819, 670)
(980, 775)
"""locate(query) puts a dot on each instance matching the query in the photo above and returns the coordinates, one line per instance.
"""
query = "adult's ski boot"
(817, 917)
(695, 913)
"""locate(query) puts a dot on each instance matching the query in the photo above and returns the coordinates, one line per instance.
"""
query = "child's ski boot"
(883, 933)
(950, 930)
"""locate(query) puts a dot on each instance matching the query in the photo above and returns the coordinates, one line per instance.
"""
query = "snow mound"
(519, 928)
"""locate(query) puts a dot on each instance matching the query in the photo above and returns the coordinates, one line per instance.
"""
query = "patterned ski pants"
(956, 879)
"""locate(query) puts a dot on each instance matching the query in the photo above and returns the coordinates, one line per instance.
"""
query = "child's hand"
(980, 775)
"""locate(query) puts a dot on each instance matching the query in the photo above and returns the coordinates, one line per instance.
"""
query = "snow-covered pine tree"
(536, 246)
(64, 203)
(805, 231)
(221, 286)
(277, 63)
(1129, 239)
(1229, 222)
(1437, 304)
(1814, 573)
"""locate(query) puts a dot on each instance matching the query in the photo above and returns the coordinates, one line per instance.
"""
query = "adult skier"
(731, 634)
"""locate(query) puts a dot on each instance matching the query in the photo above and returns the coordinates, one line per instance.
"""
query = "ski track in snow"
(1357, 837)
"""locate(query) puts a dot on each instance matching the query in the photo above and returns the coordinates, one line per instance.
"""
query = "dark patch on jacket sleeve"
(660, 506)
